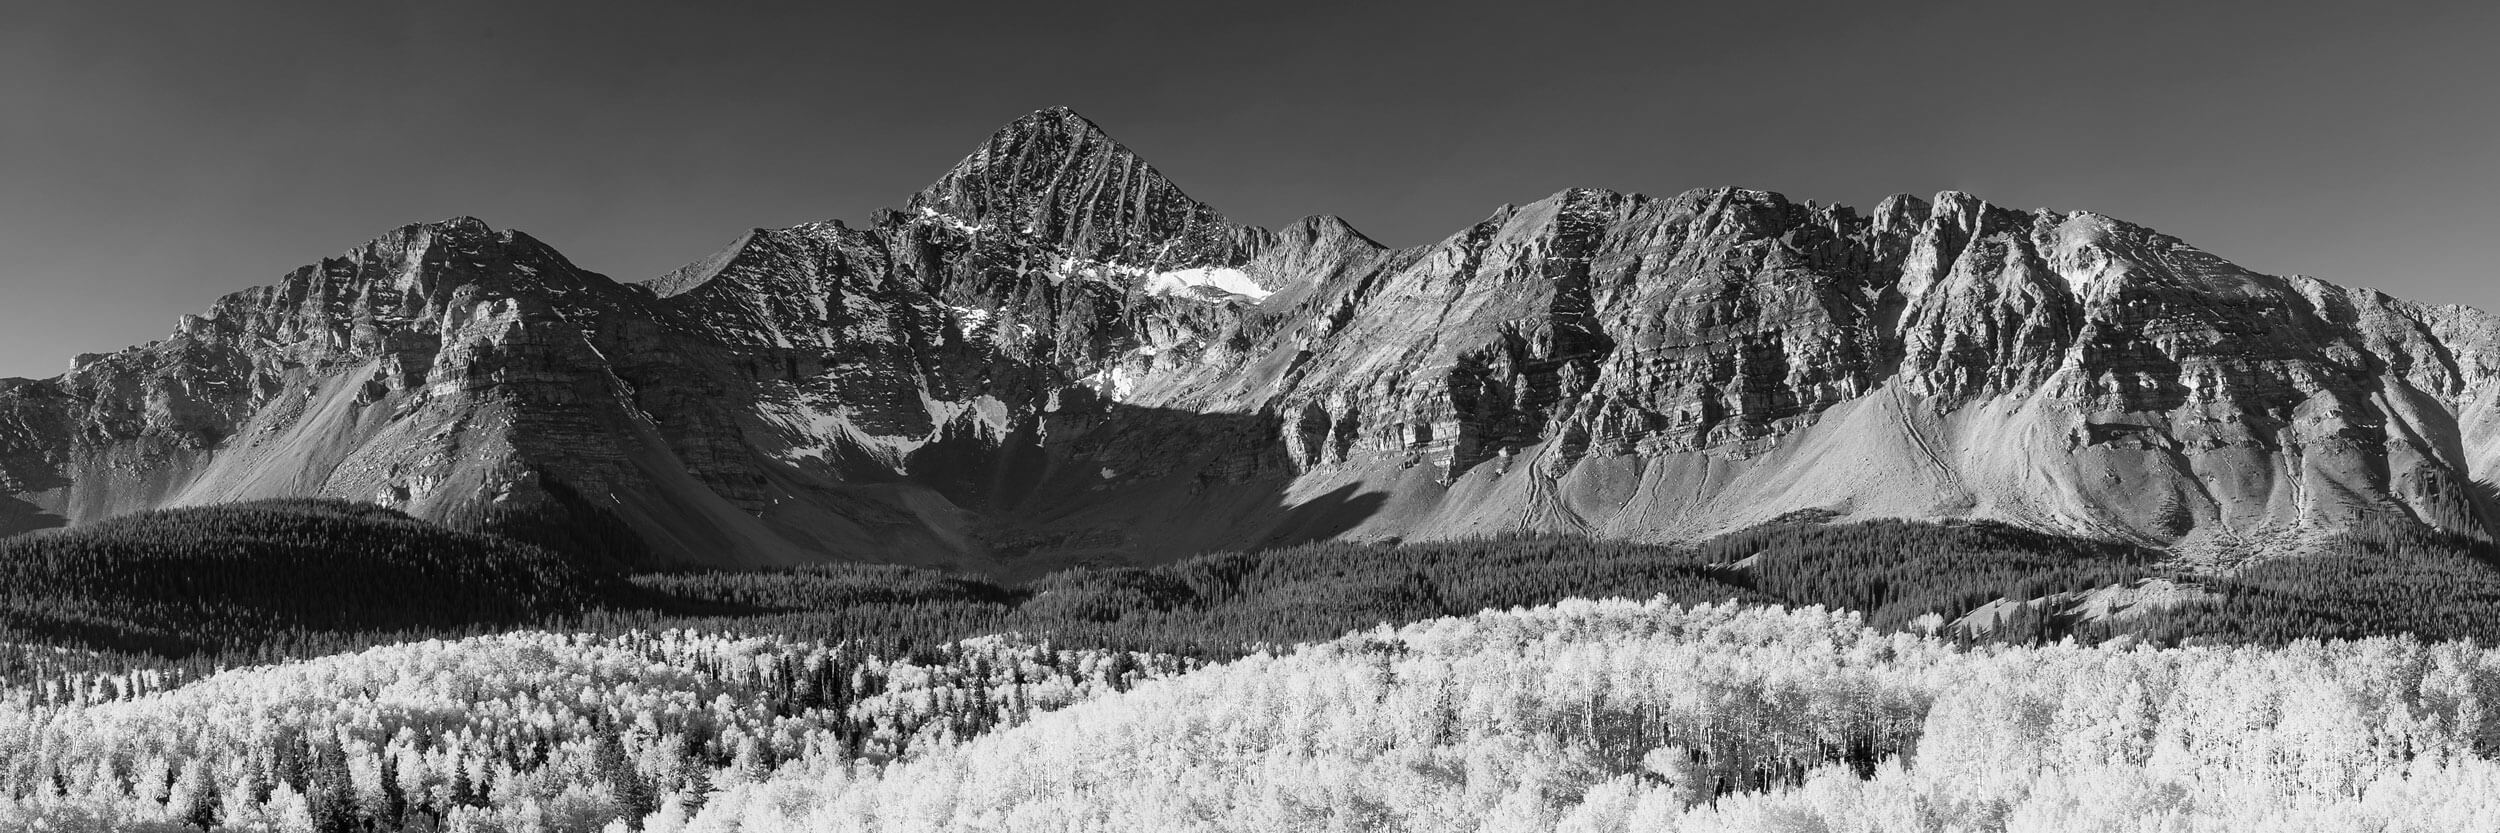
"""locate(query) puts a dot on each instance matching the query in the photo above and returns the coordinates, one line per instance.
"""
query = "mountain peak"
(1057, 133)
(1060, 119)
(1061, 113)
(1056, 179)
(463, 226)
(463, 222)
(463, 232)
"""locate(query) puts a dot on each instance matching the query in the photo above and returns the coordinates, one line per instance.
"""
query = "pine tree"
(330, 794)
(613, 767)
(193, 798)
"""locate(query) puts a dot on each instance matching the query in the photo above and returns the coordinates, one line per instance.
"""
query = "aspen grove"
(1581, 716)
(1592, 716)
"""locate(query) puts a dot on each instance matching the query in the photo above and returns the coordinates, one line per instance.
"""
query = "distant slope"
(206, 577)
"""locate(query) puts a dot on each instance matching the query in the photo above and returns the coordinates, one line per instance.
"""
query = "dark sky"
(155, 156)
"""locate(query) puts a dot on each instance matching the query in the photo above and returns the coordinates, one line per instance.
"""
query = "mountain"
(1053, 355)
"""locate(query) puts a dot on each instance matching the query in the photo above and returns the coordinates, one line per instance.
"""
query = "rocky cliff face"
(1053, 355)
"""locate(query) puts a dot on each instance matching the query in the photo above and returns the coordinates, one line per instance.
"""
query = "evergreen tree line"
(218, 578)
(186, 592)
(2375, 581)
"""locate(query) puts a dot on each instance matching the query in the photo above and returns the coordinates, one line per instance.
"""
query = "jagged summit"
(461, 223)
(1055, 177)
(425, 269)
(1060, 118)
(464, 233)
(450, 234)
(1059, 129)
(1047, 193)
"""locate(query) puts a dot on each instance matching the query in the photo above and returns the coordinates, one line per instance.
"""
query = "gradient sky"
(155, 156)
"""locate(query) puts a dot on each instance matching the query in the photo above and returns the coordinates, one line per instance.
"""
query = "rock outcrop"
(1053, 355)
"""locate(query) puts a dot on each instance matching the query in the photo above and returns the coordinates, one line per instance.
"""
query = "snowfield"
(1200, 282)
(1216, 284)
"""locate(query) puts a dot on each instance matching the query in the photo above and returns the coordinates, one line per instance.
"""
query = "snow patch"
(973, 318)
(949, 220)
(1095, 271)
(1207, 283)
(1214, 284)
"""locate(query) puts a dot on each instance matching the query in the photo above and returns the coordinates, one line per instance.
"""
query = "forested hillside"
(1901, 574)
(188, 591)
(1584, 716)
(1963, 694)
(1215, 606)
(209, 578)
(1595, 717)
(527, 731)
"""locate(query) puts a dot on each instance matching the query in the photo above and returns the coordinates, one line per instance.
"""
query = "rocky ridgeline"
(1053, 355)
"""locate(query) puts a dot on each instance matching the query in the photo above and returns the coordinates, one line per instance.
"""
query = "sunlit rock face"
(1054, 356)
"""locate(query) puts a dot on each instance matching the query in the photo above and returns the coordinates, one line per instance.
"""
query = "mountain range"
(1053, 356)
